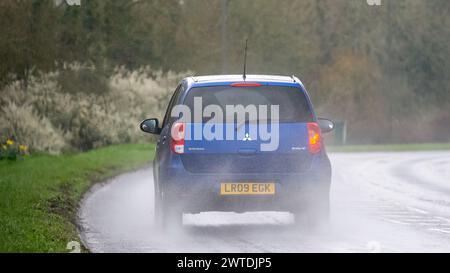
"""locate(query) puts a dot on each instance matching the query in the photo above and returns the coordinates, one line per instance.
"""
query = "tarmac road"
(380, 202)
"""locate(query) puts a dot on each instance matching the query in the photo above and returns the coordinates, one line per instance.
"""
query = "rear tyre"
(167, 216)
(315, 215)
(158, 212)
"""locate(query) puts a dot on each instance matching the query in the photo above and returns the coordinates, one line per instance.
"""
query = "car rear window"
(293, 106)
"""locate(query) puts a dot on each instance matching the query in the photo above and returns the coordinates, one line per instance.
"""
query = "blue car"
(234, 143)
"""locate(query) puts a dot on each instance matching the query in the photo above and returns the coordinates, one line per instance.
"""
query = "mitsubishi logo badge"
(247, 137)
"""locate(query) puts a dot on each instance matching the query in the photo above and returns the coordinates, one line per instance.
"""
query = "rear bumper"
(194, 192)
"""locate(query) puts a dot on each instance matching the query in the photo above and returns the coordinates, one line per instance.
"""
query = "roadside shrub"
(52, 115)
(348, 90)
(22, 122)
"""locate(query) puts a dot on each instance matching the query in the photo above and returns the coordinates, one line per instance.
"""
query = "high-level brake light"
(246, 84)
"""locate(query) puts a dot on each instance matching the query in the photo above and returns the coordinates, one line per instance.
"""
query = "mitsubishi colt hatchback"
(234, 143)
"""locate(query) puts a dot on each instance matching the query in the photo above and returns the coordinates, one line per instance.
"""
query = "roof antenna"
(245, 60)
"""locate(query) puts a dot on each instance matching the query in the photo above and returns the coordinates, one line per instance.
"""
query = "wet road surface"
(380, 202)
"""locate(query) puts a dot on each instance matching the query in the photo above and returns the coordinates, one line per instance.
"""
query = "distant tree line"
(385, 69)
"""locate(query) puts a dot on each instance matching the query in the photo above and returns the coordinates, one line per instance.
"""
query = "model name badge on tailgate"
(247, 188)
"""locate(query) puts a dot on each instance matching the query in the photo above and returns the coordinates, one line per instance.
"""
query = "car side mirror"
(150, 126)
(325, 125)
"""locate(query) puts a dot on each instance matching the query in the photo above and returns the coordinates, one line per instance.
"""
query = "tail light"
(177, 134)
(315, 139)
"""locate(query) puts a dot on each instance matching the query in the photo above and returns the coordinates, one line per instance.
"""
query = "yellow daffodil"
(10, 142)
(23, 148)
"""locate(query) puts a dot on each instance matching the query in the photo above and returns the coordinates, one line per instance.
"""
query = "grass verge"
(389, 148)
(39, 196)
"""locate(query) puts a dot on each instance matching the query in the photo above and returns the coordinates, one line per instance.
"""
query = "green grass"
(39, 195)
(389, 147)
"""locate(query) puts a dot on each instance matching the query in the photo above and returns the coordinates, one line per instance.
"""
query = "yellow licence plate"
(247, 188)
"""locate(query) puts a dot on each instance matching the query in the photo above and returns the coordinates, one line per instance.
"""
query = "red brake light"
(246, 84)
(177, 141)
(315, 138)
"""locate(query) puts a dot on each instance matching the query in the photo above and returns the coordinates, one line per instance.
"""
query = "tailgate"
(243, 154)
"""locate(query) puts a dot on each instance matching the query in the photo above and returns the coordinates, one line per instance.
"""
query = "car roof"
(220, 79)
